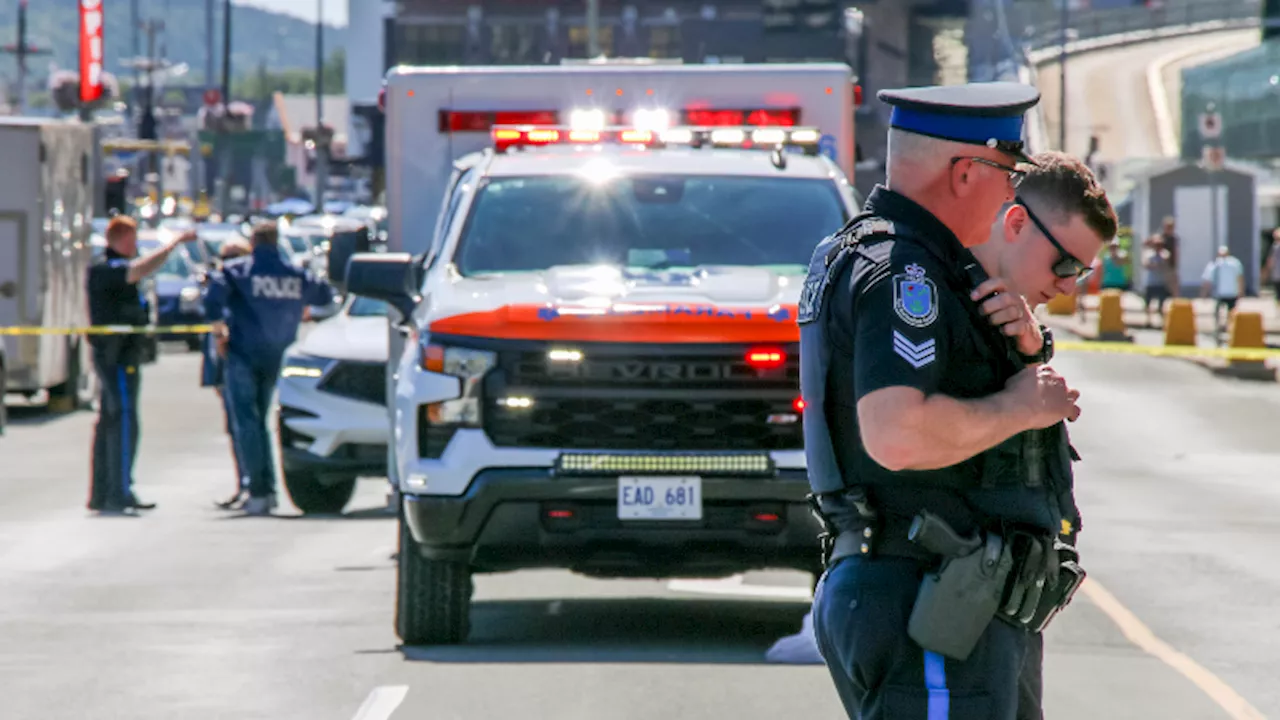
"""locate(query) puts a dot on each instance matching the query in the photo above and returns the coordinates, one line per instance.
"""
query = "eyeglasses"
(1067, 265)
(1015, 175)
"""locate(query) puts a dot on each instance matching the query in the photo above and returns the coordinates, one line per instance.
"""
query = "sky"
(335, 11)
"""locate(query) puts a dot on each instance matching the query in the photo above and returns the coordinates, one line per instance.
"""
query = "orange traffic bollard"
(1246, 331)
(1180, 323)
(1111, 325)
(1062, 305)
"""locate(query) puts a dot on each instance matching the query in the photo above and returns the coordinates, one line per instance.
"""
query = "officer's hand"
(1044, 395)
(1010, 312)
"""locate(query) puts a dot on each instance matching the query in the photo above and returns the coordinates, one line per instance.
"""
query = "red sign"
(91, 50)
(212, 97)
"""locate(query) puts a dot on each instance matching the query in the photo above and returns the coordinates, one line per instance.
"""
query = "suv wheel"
(433, 597)
(312, 495)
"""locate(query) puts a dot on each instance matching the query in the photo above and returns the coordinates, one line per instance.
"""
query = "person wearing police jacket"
(934, 433)
(111, 285)
(255, 305)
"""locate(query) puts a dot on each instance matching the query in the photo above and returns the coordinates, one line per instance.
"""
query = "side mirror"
(342, 247)
(388, 277)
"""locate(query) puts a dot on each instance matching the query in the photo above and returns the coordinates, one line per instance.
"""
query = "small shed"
(1184, 191)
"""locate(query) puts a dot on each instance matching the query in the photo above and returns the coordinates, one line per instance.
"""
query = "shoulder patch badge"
(915, 297)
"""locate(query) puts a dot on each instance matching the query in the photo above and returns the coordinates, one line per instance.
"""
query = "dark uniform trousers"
(115, 439)
(879, 672)
(251, 386)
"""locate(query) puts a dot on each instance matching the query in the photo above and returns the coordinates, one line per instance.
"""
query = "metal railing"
(1037, 25)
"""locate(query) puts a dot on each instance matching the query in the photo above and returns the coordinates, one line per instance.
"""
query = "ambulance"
(593, 274)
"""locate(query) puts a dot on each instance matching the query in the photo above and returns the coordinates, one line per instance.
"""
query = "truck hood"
(343, 337)
(173, 285)
(614, 301)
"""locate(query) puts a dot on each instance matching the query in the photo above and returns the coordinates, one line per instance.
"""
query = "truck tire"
(79, 390)
(433, 597)
(315, 497)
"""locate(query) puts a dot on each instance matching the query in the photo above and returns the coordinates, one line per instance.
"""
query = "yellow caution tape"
(110, 330)
(1182, 351)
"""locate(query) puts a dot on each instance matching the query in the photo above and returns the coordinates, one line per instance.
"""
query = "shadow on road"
(627, 630)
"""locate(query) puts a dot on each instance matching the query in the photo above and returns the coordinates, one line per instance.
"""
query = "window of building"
(664, 42)
(436, 44)
(578, 40)
(516, 43)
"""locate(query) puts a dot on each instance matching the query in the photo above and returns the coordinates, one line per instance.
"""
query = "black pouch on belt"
(1064, 578)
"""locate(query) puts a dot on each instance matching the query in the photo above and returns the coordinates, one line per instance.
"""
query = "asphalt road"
(1108, 94)
(194, 613)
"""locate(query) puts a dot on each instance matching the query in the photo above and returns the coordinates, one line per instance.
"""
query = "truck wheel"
(311, 495)
(433, 597)
(68, 396)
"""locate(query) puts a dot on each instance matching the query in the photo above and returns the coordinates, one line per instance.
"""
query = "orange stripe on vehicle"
(638, 323)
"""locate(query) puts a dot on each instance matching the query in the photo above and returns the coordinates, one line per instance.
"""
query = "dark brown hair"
(1064, 186)
(265, 233)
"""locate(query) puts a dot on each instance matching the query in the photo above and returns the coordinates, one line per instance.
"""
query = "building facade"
(887, 43)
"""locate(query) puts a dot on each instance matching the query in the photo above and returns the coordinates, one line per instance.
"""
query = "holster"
(957, 601)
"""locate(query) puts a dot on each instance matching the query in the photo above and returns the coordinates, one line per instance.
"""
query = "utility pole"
(1062, 76)
(135, 23)
(224, 152)
(321, 141)
(593, 28)
(210, 81)
(20, 50)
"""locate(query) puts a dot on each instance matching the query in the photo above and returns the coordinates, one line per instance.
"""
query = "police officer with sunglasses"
(933, 431)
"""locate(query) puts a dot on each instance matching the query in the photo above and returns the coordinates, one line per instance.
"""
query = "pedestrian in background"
(1223, 280)
(255, 304)
(1158, 279)
(213, 375)
(112, 287)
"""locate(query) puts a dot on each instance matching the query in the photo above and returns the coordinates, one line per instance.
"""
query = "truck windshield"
(522, 224)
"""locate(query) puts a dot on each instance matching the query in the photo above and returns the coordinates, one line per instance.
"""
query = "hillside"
(283, 41)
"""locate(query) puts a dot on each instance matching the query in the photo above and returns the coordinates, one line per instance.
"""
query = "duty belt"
(887, 539)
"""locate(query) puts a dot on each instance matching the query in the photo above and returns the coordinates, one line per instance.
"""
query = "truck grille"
(357, 380)
(648, 399)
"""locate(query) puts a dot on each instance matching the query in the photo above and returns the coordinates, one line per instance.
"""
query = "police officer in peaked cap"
(942, 549)
(255, 304)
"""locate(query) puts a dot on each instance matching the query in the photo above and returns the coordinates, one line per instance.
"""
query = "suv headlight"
(303, 366)
(189, 299)
(470, 366)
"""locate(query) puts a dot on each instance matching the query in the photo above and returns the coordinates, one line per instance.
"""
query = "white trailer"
(46, 215)
(436, 115)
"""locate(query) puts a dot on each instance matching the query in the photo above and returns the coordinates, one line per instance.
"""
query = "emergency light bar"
(454, 121)
(515, 136)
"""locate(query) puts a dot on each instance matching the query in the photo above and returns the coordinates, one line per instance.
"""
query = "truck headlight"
(470, 366)
(303, 366)
(189, 299)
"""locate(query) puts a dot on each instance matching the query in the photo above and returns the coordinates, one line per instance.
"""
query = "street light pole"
(593, 28)
(322, 146)
(1062, 76)
(224, 152)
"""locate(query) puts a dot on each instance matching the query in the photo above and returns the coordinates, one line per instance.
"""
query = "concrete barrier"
(1180, 323)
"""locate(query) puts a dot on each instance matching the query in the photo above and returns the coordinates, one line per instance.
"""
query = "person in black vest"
(112, 285)
(933, 429)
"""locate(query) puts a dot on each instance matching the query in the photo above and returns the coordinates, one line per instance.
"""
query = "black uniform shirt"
(898, 312)
(113, 300)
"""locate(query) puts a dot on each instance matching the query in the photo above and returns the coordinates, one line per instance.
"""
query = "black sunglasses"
(1015, 175)
(1067, 265)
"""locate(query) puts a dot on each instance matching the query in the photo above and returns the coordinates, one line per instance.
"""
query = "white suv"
(333, 425)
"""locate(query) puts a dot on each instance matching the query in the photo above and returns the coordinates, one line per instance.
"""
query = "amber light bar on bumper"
(705, 464)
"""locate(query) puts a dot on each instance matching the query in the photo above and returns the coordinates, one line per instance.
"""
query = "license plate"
(659, 498)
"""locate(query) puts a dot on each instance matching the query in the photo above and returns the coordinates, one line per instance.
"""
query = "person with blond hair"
(212, 375)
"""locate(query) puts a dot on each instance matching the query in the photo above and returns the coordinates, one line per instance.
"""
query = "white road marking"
(382, 702)
(736, 586)
(1142, 636)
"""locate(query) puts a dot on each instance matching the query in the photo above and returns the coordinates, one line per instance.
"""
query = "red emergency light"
(704, 117)
(766, 358)
(452, 121)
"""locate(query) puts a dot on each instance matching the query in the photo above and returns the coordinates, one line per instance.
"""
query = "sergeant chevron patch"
(916, 354)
